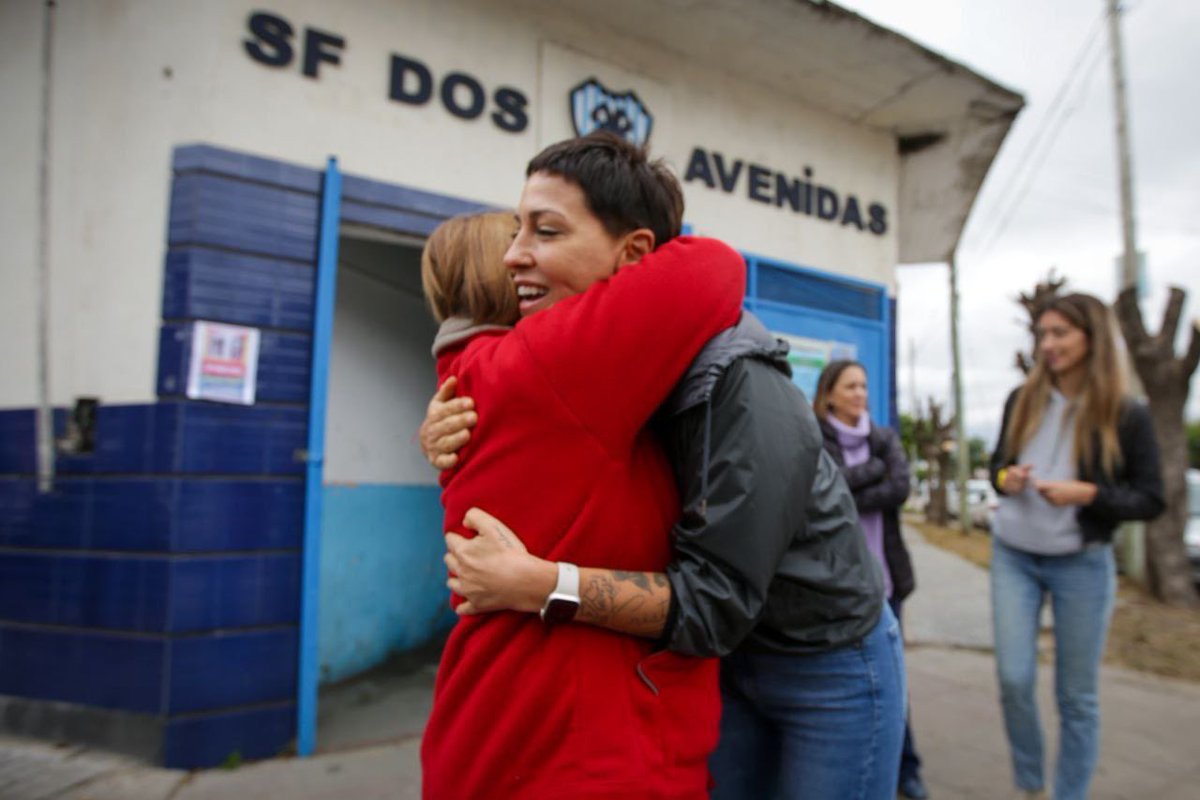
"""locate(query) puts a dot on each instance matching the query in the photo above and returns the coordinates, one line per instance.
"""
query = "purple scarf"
(855, 451)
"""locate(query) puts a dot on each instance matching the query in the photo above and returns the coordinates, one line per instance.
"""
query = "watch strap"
(562, 603)
(568, 580)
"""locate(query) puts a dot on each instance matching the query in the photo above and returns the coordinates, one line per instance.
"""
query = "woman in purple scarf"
(873, 463)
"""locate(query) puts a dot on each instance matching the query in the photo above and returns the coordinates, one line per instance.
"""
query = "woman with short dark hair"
(611, 315)
(770, 568)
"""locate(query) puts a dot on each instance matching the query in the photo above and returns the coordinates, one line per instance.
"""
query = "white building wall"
(20, 101)
(135, 78)
(381, 373)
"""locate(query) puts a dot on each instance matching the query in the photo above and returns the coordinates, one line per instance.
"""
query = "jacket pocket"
(680, 695)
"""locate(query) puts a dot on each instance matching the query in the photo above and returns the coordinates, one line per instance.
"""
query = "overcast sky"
(1055, 206)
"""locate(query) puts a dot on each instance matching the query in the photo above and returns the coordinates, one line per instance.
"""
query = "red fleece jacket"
(561, 453)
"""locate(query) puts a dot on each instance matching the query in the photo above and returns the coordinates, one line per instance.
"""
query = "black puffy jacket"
(881, 483)
(769, 554)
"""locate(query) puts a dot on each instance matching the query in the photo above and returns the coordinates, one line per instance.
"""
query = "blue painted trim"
(816, 273)
(882, 403)
(306, 689)
(889, 360)
(816, 313)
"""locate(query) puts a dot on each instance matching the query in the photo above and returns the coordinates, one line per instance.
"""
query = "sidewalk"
(1149, 728)
(1148, 746)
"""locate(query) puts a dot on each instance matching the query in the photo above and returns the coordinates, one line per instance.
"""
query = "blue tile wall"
(130, 440)
(204, 283)
(239, 515)
(17, 498)
(206, 158)
(100, 514)
(389, 218)
(105, 670)
(162, 574)
(283, 364)
(136, 593)
(368, 192)
(205, 740)
(18, 445)
(220, 439)
(96, 591)
(227, 669)
(193, 437)
(234, 214)
(153, 514)
(234, 592)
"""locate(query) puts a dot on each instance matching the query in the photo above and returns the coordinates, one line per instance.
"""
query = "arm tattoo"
(626, 601)
(638, 579)
(597, 598)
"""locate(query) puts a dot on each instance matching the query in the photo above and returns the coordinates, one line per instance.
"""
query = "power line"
(1008, 199)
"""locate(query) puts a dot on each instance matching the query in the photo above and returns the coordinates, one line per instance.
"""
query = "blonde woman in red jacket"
(614, 306)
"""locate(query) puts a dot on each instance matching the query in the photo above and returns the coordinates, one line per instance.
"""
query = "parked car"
(1191, 533)
(982, 502)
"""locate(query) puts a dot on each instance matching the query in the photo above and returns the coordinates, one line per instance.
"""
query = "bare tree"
(1165, 379)
(1046, 289)
(932, 436)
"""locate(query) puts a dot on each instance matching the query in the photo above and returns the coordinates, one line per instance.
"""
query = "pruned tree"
(1031, 302)
(1165, 378)
(932, 436)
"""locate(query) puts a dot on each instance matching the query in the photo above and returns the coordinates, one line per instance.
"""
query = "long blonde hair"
(463, 272)
(1099, 401)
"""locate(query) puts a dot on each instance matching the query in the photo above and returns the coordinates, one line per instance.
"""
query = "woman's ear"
(634, 245)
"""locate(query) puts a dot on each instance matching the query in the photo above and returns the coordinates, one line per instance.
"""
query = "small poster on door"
(809, 356)
(224, 363)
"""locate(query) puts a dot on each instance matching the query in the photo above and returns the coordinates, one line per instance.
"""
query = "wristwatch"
(563, 602)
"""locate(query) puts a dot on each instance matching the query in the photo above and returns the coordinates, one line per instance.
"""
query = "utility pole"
(1129, 259)
(44, 428)
(1131, 537)
(960, 425)
(912, 377)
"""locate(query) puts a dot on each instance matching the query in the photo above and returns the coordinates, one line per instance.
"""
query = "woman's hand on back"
(493, 571)
(447, 425)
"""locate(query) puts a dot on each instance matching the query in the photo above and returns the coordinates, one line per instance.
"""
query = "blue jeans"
(815, 726)
(910, 761)
(1081, 587)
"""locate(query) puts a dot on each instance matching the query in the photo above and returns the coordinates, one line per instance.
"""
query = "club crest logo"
(594, 108)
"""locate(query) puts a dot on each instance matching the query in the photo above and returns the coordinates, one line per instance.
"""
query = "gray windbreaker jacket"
(769, 552)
